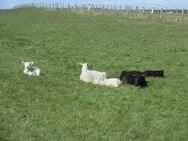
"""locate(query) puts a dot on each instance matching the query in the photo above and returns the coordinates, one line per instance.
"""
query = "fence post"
(89, 7)
(176, 11)
(182, 14)
(161, 14)
(152, 11)
(143, 11)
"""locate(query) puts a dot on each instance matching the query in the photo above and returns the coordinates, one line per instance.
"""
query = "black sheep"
(135, 78)
(154, 73)
(147, 73)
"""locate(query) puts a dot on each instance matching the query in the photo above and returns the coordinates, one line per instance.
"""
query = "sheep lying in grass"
(111, 82)
(89, 76)
(154, 73)
(29, 70)
(147, 73)
(135, 79)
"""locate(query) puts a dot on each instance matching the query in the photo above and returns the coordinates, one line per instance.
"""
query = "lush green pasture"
(59, 107)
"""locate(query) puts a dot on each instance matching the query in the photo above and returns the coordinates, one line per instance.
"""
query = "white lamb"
(111, 82)
(29, 70)
(89, 76)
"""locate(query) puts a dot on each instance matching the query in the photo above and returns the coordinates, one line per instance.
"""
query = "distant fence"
(172, 14)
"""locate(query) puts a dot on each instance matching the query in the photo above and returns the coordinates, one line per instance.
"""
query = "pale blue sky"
(7, 4)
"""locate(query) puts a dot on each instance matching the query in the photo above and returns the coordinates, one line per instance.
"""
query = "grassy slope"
(58, 106)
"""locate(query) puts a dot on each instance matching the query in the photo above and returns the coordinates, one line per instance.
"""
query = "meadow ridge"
(59, 107)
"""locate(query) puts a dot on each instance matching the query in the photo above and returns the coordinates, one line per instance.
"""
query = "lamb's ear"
(31, 63)
(22, 62)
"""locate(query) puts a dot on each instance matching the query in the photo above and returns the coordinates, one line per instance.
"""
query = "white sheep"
(111, 82)
(89, 76)
(29, 70)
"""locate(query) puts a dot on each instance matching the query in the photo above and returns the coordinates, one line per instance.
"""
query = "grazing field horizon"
(58, 106)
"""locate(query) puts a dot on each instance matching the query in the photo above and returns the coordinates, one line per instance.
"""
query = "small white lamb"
(89, 76)
(111, 82)
(29, 70)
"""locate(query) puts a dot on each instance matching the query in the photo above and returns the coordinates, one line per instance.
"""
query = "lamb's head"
(85, 66)
(27, 65)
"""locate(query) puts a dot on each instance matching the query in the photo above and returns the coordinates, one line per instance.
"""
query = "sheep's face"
(27, 65)
(85, 66)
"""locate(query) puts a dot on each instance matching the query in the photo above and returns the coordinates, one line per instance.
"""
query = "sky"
(181, 4)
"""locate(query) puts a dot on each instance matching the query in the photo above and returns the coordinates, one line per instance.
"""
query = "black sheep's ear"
(123, 72)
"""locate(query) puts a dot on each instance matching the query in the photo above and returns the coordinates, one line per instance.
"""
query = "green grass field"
(60, 107)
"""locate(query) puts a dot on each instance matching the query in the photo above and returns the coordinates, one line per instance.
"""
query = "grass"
(58, 106)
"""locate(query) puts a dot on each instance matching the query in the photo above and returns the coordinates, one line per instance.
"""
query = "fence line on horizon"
(104, 8)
